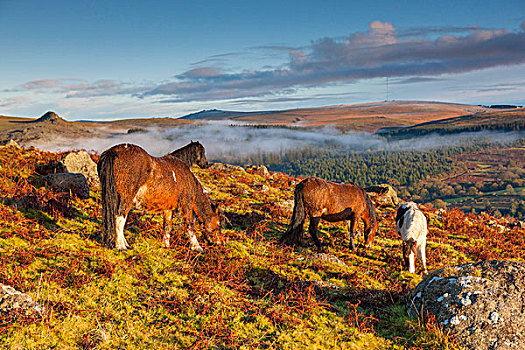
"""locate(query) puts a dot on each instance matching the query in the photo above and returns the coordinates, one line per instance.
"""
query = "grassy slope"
(367, 117)
(250, 293)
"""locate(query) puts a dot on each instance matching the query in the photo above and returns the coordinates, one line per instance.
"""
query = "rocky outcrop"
(258, 169)
(81, 162)
(482, 305)
(45, 130)
(287, 205)
(11, 144)
(14, 303)
(383, 195)
(68, 182)
(50, 168)
(50, 117)
(227, 167)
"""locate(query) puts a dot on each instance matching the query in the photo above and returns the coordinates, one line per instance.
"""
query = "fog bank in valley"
(223, 140)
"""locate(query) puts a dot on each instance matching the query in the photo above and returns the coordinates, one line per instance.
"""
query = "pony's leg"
(314, 222)
(187, 218)
(120, 222)
(412, 262)
(120, 240)
(194, 243)
(167, 216)
(422, 256)
(351, 231)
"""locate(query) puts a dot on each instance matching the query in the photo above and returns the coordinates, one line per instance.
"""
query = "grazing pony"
(411, 224)
(321, 199)
(192, 153)
(129, 177)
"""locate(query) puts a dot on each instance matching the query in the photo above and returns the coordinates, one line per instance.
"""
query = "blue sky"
(121, 59)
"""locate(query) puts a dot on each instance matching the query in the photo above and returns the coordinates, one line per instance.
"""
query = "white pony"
(411, 224)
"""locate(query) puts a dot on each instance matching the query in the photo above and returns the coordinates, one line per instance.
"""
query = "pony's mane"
(189, 153)
(191, 144)
(401, 211)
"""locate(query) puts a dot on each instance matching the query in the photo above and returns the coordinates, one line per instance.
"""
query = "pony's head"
(409, 254)
(371, 232)
(200, 155)
(213, 224)
(373, 221)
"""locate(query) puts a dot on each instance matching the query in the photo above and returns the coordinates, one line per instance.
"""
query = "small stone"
(465, 301)
(454, 321)
(494, 317)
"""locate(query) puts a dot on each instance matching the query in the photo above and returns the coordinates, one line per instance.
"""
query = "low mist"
(225, 141)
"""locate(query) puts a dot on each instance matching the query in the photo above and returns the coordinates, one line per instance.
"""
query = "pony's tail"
(294, 233)
(110, 197)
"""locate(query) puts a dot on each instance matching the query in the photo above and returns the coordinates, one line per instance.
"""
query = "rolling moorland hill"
(251, 292)
(365, 117)
(368, 117)
(506, 120)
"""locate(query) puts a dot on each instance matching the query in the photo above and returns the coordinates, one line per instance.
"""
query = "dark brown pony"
(192, 153)
(129, 177)
(321, 199)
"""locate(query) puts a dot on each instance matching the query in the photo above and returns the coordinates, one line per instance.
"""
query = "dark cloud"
(379, 52)
(424, 31)
(501, 87)
(413, 56)
(417, 80)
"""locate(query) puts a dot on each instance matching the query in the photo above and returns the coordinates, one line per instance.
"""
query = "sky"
(105, 60)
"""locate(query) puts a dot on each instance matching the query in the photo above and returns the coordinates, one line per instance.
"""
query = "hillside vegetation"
(478, 176)
(249, 293)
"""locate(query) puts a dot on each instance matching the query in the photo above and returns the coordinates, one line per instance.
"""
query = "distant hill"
(390, 118)
(216, 114)
(47, 127)
(365, 117)
(494, 119)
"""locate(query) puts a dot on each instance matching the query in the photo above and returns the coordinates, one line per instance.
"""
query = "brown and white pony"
(330, 201)
(129, 177)
(411, 225)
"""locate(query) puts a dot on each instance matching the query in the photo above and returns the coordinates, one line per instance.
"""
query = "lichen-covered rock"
(12, 144)
(68, 182)
(258, 169)
(16, 303)
(228, 167)
(481, 304)
(383, 195)
(324, 257)
(50, 168)
(287, 205)
(81, 162)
